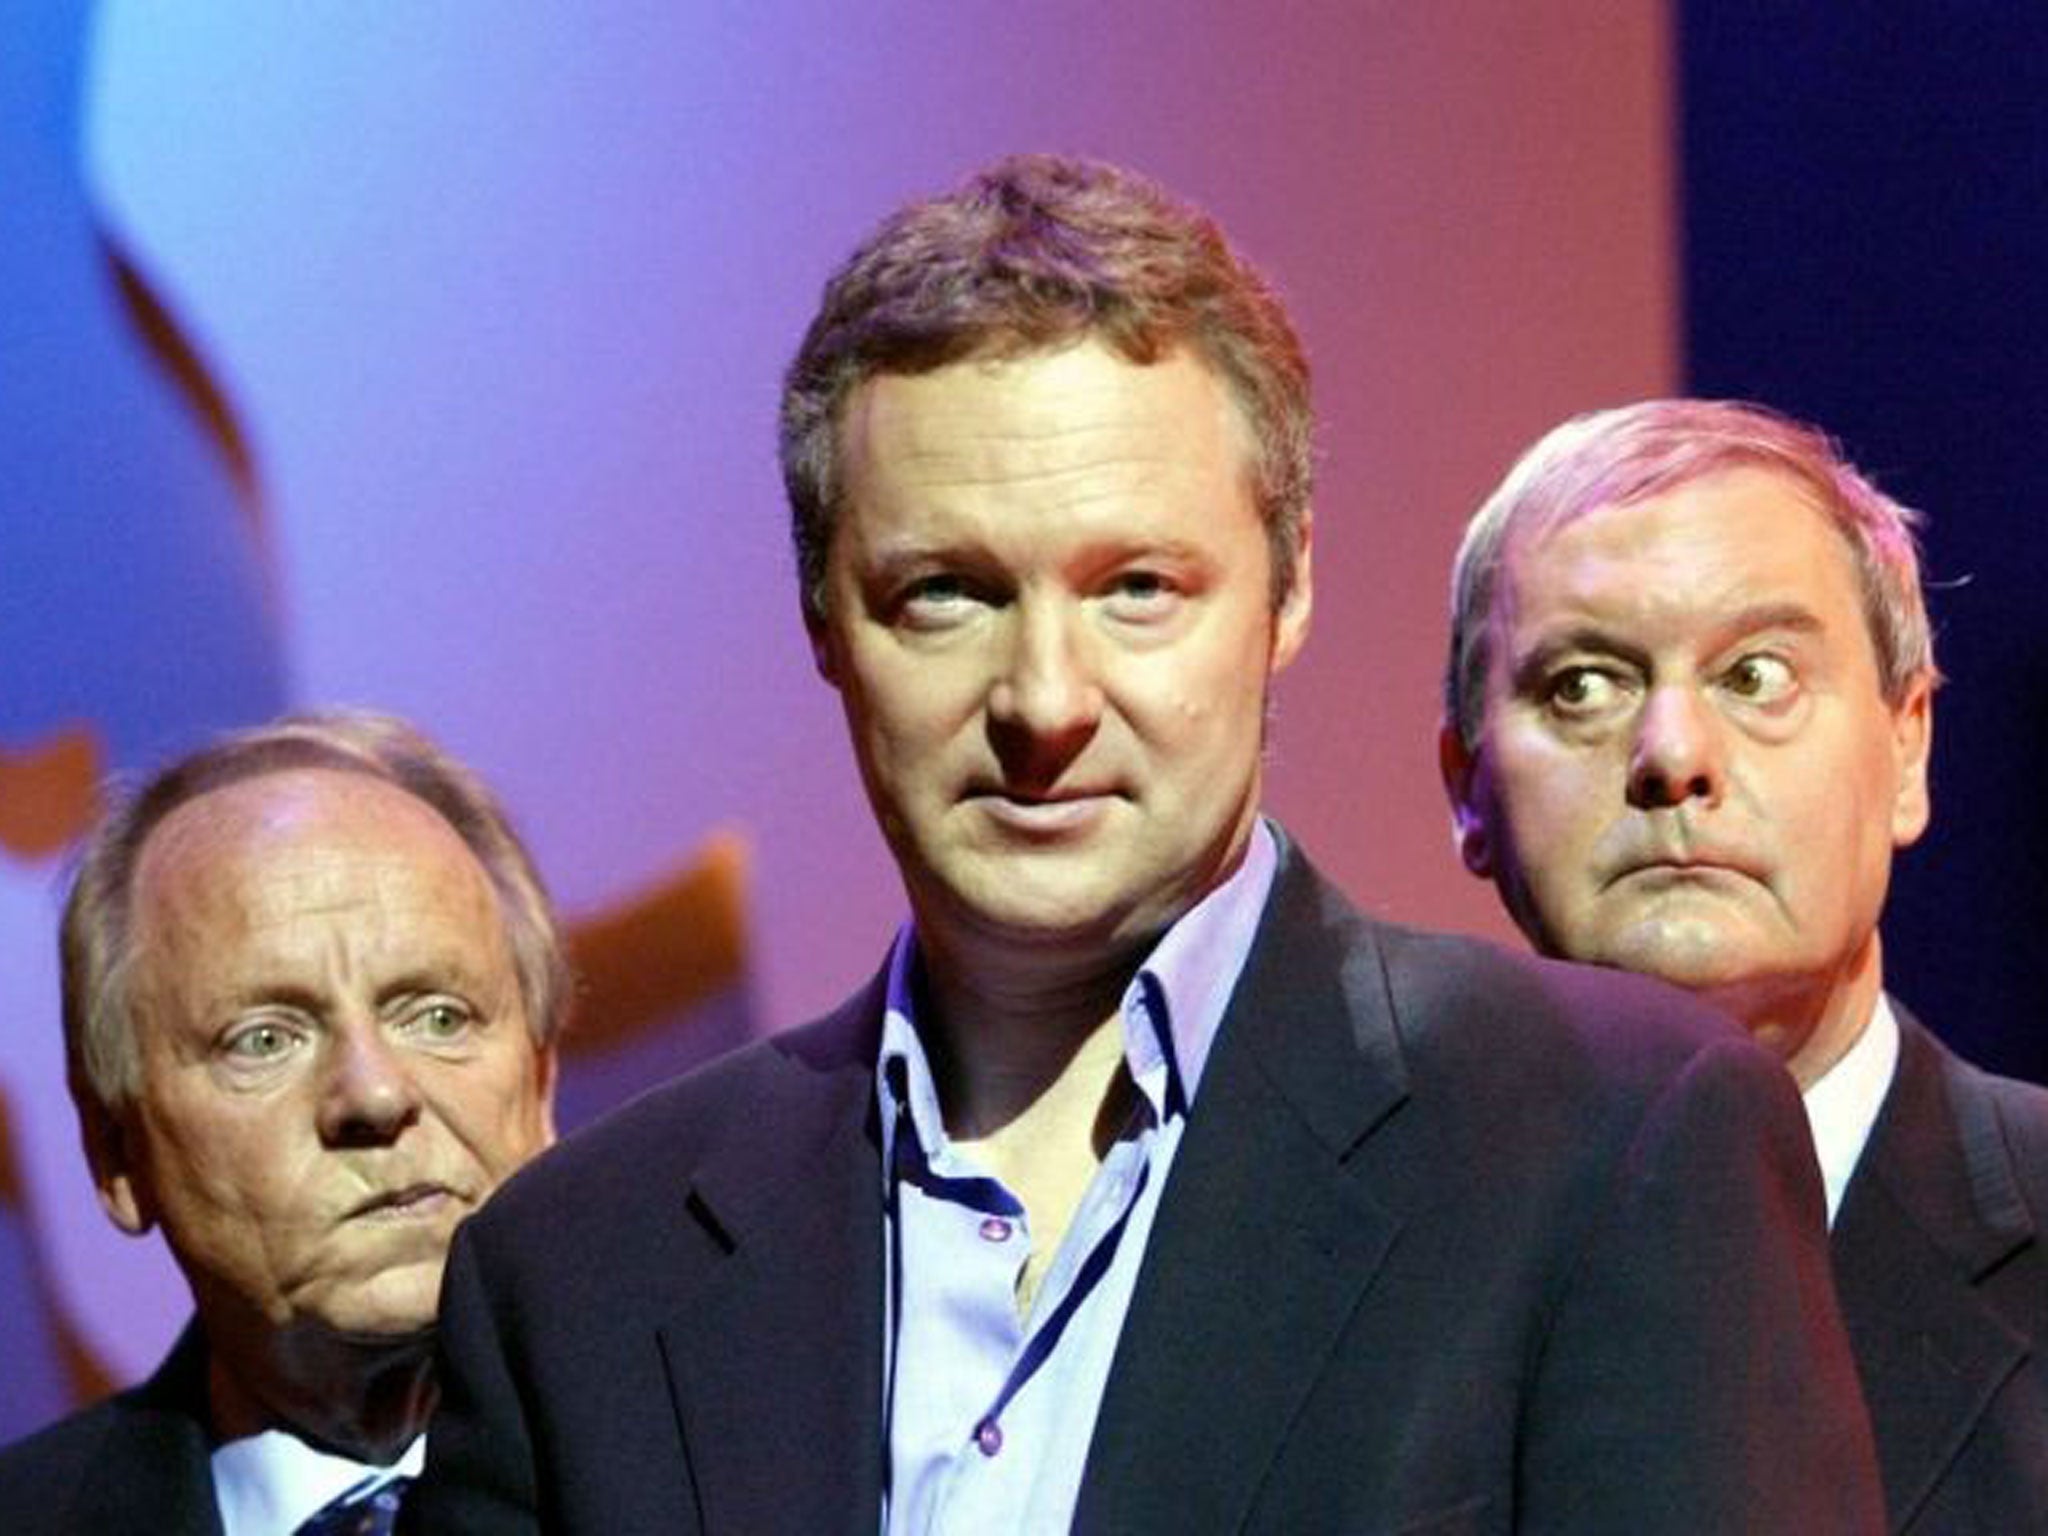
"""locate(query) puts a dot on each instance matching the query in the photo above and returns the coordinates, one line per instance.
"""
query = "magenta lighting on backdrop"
(139, 614)
(440, 376)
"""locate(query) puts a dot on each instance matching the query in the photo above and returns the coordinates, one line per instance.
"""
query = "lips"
(1053, 813)
(1047, 817)
(408, 1202)
(1679, 868)
(1675, 850)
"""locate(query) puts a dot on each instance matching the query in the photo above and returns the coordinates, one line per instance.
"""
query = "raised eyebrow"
(1534, 665)
(893, 565)
(262, 994)
(1758, 618)
(1174, 558)
(1141, 551)
(449, 980)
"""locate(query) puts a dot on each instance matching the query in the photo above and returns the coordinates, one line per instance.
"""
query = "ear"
(110, 1141)
(1291, 621)
(1461, 772)
(819, 631)
(546, 1067)
(1912, 746)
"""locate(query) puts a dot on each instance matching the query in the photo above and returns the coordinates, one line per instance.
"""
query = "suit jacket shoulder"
(752, 1118)
(1452, 1241)
(1476, 1034)
(137, 1461)
(1457, 1239)
(1944, 1286)
(673, 1320)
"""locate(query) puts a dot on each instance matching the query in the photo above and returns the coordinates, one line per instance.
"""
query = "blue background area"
(133, 594)
(1865, 237)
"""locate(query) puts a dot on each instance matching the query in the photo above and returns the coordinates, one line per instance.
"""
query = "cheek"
(1219, 694)
(1832, 840)
(902, 713)
(1546, 801)
(494, 1113)
(217, 1162)
(236, 1204)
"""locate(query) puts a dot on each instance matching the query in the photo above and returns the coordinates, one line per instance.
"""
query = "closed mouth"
(405, 1202)
(1062, 811)
(1687, 867)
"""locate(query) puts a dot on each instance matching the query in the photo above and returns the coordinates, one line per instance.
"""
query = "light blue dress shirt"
(989, 1417)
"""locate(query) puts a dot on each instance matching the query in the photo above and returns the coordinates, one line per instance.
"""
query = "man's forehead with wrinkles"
(1637, 584)
(222, 847)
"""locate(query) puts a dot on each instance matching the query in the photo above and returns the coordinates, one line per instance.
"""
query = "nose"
(369, 1096)
(1045, 701)
(1678, 752)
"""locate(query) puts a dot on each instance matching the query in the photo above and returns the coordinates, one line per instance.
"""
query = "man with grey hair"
(1149, 1186)
(312, 986)
(1688, 708)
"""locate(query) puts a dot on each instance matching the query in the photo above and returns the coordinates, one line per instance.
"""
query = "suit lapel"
(158, 1442)
(1934, 1206)
(1265, 1242)
(775, 1359)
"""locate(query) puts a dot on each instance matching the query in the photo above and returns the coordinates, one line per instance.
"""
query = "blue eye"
(262, 1042)
(938, 589)
(440, 1019)
(935, 601)
(1141, 595)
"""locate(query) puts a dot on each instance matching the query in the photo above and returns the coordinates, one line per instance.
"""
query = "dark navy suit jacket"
(1944, 1284)
(138, 1462)
(1457, 1241)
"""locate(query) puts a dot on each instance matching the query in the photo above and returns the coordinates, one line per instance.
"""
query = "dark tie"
(360, 1511)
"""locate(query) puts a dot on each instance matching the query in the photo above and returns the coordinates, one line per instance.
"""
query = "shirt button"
(988, 1435)
(995, 1230)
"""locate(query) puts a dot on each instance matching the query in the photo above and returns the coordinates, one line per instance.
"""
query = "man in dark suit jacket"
(138, 1461)
(311, 985)
(1149, 1187)
(1688, 710)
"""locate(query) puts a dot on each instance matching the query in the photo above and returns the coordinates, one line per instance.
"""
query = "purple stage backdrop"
(426, 357)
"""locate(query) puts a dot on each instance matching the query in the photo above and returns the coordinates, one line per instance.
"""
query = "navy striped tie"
(366, 1509)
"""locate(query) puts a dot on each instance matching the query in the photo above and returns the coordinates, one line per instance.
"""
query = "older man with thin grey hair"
(1688, 704)
(312, 986)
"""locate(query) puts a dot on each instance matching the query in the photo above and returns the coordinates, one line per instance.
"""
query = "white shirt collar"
(1843, 1105)
(267, 1484)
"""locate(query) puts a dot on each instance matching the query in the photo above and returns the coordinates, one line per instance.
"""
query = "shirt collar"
(1843, 1105)
(274, 1480)
(1171, 1009)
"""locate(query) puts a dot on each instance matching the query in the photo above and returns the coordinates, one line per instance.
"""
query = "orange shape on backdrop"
(86, 1377)
(49, 791)
(661, 951)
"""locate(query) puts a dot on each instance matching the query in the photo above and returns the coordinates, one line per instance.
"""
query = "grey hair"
(1617, 457)
(97, 933)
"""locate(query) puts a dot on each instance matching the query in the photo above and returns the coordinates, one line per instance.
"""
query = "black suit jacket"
(1456, 1241)
(138, 1462)
(1944, 1285)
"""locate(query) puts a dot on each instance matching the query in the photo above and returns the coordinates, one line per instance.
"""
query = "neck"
(367, 1400)
(1006, 1043)
(1035, 1095)
(1810, 1022)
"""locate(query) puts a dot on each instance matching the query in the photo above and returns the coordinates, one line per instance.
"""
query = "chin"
(390, 1330)
(1026, 904)
(393, 1308)
(1050, 925)
(1697, 957)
